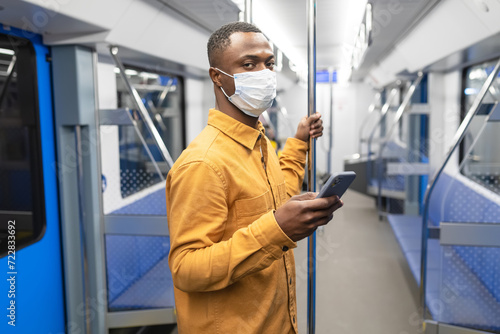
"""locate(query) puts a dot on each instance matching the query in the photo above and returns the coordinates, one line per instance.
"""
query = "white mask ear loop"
(224, 93)
(229, 75)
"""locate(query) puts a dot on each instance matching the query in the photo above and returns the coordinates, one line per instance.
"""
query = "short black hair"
(219, 40)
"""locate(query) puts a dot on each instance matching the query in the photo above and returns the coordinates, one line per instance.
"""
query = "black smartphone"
(337, 184)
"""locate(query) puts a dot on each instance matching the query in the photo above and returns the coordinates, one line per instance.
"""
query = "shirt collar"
(242, 133)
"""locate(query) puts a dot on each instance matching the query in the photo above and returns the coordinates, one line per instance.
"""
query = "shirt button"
(285, 248)
(293, 319)
(290, 281)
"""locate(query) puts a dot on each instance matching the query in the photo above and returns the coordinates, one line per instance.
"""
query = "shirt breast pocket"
(250, 209)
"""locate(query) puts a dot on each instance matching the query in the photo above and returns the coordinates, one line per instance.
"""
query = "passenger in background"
(272, 139)
(232, 219)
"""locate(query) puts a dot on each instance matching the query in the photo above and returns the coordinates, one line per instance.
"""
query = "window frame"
(464, 109)
(27, 82)
(182, 102)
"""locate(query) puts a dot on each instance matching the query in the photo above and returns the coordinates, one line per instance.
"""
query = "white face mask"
(254, 91)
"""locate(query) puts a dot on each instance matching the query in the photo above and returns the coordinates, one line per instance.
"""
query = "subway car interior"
(98, 99)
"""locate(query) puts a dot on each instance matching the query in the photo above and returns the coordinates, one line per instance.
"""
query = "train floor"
(363, 283)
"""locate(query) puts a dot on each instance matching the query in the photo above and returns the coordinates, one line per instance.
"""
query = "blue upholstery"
(137, 270)
(393, 182)
(463, 283)
(408, 231)
(153, 290)
(466, 204)
(153, 204)
(137, 266)
(393, 152)
(465, 299)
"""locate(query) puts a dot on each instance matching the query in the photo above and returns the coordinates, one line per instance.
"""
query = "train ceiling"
(338, 24)
(134, 24)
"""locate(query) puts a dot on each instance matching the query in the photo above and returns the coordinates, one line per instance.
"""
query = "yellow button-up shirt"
(232, 265)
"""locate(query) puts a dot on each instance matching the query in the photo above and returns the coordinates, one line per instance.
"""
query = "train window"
(162, 96)
(480, 152)
(21, 188)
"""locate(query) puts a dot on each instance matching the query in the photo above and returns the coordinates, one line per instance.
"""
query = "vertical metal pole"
(311, 163)
(330, 138)
(83, 230)
(248, 11)
(101, 282)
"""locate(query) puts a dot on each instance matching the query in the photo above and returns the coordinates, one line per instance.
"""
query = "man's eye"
(271, 65)
(248, 65)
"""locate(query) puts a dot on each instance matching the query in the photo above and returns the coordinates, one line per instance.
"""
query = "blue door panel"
(39, 299)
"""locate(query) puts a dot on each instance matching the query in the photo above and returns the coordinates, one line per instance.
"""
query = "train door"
(30, 251)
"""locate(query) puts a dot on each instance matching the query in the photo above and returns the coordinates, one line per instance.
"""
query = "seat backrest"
(465, 201)
(441, 189)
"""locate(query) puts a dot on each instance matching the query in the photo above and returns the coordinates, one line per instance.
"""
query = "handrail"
(81, 224)
(142, 109)
(311, 163)
(371, 108)
(403, 107)
(248, 11)
(383, 113)
(457, 139)
(474, 141)
(10, 73)
(330, 137)
(124, 117)
(159, 102)
(166, 90)
(397, 118)
(157, 115)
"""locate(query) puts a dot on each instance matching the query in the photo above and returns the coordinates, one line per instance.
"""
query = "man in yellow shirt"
(232, 219)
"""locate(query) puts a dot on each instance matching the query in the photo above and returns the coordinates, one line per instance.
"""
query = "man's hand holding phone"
(303, 214)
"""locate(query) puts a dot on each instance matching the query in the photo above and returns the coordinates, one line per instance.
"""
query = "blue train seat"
(138, 275)
(393, 152)
(463, 283)
(153, 204)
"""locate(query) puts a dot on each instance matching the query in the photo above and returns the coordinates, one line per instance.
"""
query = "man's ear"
(215, 76)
